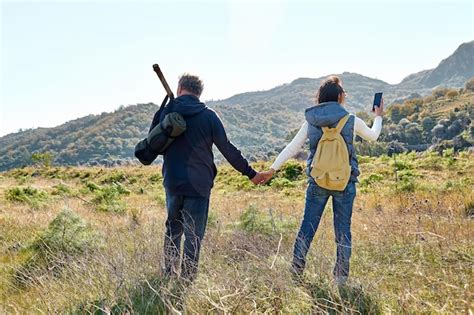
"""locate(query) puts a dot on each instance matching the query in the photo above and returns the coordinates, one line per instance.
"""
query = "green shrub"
(401, 162)
(282, 182)
(115, 177)
(292, 170)
(255, 221)
(233, 181)
(155, 178)
(448, 156)
(33, 197)
(431, 161)
(68, 233)
(42, 159)
(67, 236)
(91, 187)
(406, 181)
(61, 190)
(370, 180)
(108, 198)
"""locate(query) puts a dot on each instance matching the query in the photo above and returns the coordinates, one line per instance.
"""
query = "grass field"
(89, 240)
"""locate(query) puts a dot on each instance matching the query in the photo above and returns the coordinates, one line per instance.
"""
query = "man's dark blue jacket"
(188, 166)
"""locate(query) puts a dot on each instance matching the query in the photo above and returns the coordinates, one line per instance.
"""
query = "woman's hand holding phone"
(378, 110)
(377, 107)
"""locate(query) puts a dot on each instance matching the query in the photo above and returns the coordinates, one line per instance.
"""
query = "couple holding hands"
(189, 172)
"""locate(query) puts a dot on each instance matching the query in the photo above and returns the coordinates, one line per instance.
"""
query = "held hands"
(378, 110)
(263, 177)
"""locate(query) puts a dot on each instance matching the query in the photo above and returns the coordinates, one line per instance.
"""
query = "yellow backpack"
(331, 168)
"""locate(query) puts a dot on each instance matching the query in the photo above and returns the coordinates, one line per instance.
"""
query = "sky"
(61, 60)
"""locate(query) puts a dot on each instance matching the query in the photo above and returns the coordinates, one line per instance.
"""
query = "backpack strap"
(342, 123)
(339, 125)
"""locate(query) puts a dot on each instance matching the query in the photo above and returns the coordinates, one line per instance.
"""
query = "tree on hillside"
(413, 133)
(452, 93)
(439, 92)
(43, 159)
(469, 86)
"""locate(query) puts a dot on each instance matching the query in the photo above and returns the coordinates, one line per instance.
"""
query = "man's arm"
(228, 150)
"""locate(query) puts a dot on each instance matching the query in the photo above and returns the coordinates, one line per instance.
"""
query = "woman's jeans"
(316, 199)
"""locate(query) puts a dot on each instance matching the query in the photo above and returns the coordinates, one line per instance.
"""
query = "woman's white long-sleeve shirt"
(360, 129)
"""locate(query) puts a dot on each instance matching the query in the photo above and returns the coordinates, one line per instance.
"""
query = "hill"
(452, 71)
(257, 122)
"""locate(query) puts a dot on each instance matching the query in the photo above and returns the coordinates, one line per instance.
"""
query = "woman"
(327, 112)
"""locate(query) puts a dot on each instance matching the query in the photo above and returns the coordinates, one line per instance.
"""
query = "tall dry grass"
(412, 248)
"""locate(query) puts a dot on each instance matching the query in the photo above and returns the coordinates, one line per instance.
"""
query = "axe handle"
(157, 69)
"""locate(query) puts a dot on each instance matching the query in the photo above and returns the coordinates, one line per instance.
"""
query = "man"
(189, 172)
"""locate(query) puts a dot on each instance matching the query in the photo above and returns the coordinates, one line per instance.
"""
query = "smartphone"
(377, 100)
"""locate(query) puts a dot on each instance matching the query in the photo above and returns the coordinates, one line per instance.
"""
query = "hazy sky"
(62, 60)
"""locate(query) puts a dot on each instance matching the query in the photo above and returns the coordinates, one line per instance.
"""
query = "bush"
(234, 181)
(91, 187)
(439, 92)
(452, 93)
(35, 198)
(281, 182)
(42, 159)
(254, 221)
(406, 180)
(469, 86)
(155, 178)
(292, 170)
(401, 164)
(66, 237)
(107, 198)
(68, 233)
(395, 147)
(61, 190)
(371, 148)
(370, 180)
(115, 177)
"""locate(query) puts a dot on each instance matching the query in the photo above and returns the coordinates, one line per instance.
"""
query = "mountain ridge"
(249, 117)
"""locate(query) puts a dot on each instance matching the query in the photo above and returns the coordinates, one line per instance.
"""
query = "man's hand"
(257, 179)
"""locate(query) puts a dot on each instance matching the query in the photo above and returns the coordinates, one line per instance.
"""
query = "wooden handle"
(157, 69)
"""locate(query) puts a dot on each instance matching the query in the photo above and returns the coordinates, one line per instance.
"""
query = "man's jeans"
(186, 215)
(316, 199)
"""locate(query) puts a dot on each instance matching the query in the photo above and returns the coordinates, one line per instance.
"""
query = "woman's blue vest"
(328, 115)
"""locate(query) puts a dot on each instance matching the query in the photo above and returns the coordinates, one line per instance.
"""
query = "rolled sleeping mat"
(160, 138)
(172, 126)
(143, 152)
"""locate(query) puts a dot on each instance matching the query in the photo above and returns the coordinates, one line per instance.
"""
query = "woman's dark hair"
(329, 90)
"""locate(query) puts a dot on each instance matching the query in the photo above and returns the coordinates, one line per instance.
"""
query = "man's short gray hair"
(191, 83)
